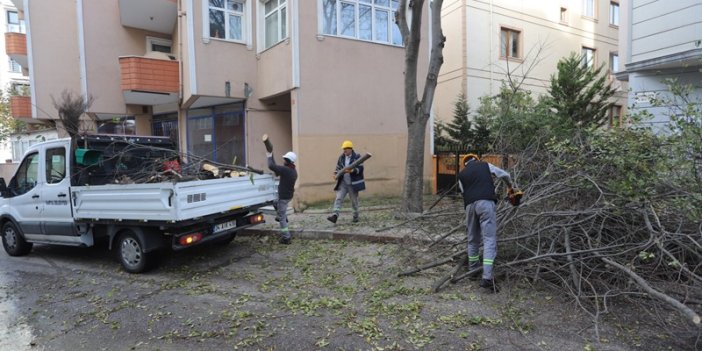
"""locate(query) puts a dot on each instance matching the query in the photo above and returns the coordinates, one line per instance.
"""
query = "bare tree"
(418, 111)
(71, 108)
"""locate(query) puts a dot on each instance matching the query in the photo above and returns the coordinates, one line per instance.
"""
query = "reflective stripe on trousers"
(481, 224)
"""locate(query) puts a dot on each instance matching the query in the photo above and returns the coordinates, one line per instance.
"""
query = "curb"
(348, 210)
(325, 235)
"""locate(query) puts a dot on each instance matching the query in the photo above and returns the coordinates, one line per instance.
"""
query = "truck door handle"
(61, 195)
(35, 196)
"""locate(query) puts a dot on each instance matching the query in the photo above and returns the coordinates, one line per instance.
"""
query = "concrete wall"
(55, 64)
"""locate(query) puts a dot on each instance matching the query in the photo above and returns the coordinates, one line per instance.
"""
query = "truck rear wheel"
(13, 242)
(130, 252)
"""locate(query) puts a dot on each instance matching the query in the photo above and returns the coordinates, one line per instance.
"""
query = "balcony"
(153, 15)
(149, 81)
(19, 4)
(21, 106)
(16, 47)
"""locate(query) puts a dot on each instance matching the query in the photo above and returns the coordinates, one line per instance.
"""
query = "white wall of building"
(662, 41)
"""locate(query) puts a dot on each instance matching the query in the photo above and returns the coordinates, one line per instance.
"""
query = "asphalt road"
(256, 294)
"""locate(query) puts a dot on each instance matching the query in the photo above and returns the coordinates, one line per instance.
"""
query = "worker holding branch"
(479, 200)
(350, 183)
(286, 187)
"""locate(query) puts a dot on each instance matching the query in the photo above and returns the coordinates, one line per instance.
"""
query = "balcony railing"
(21, 106)
(16, 47)
(149, 81)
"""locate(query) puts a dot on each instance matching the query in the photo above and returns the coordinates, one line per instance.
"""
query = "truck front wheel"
(131, 253)
(12, 240)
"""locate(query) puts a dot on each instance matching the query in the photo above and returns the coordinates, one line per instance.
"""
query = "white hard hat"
(290, 156)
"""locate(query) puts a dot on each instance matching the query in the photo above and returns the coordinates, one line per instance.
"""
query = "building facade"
(661, 41)
(218, 74)
(487, 41)
(14, 83)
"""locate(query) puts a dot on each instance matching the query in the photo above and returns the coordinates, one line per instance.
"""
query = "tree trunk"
(414, 168)
(418, 111)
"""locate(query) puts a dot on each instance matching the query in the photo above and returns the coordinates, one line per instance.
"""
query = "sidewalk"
(313, 224)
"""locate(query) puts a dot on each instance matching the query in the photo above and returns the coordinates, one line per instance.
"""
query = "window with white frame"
(227, 19)
(275, 20)
(509, 43)
(14, 23)
(589, 8)
(613, 62)
(588, 57)
(614, 13)
(371, 20)
(14, 66)
(158, 44)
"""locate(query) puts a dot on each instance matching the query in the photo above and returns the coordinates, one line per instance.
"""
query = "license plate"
(224, 226)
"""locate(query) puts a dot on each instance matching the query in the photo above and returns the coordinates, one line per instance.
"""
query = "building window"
(362, 19)
(275, 22)
(564, 15)
(217, 133)
(227, 19)
(615, 116)
(588, 57)
(614, 13)
(14, 66)
(510, 43)
(166, 125)
(589, 8)
(613, 62)
(14, 24)
(19, 89)
(158, 44)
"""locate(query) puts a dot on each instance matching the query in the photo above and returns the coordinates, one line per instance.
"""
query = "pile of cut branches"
(580, 230)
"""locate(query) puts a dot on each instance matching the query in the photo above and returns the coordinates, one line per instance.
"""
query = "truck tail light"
(255, 219)
(189, 239)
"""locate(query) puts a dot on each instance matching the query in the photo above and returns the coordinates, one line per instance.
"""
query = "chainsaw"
(514, 196)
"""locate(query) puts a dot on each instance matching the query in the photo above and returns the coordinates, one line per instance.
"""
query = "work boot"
(285, 241)
(489, 285)
(475, 275)
(333, 218)
(355, 219)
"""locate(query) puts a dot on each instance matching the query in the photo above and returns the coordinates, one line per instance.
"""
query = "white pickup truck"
(48, 202)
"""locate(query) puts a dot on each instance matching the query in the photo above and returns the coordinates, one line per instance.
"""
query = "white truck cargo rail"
(171, 202)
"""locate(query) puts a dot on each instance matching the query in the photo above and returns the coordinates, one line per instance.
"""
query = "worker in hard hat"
(479, 201)
(286, 190)
(351, 183)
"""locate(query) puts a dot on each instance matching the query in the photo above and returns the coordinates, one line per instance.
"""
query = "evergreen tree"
(579, 94)
(460, 129)
(440, 141)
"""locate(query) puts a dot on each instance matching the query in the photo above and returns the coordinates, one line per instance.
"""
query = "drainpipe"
(81, 49)
(490, 34)
(30, 59)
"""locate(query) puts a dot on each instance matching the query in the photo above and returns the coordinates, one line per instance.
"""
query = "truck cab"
(36, 200)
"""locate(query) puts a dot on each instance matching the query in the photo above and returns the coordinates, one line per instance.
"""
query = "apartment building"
(14, 84)
(660, 40)
(487, 39)
(218, 74)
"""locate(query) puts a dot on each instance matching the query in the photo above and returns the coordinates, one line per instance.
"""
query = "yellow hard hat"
(347, 144)
(469, 156)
